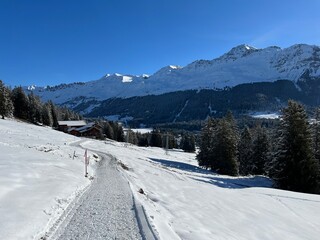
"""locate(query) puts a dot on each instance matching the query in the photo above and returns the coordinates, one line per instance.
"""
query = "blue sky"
(48, 42)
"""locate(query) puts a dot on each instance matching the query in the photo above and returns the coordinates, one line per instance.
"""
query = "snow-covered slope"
(39, 178)
(242, 64)
(183, 201)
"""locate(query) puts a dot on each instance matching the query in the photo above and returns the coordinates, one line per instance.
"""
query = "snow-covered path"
(105, 210)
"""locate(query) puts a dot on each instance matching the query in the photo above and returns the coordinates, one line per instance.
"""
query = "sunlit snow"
(39, 178)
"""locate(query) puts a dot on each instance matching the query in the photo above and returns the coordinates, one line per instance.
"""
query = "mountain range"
(243, 64)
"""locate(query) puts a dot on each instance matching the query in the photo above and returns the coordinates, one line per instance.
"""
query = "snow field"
(38, 179)
(183, 201)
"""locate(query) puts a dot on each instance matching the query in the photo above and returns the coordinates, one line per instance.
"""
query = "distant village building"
(65, 126)
(81, 128)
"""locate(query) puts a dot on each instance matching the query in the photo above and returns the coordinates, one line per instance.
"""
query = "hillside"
(40, 179)
(183, 201)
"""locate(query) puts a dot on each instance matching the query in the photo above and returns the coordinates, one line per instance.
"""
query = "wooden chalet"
(65, 126)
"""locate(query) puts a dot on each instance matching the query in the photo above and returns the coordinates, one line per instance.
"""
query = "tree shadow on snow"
(222, 181)
(236, 182)
(181, 166)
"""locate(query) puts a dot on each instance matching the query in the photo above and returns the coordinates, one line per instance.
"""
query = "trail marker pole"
(86, 163)
(167, 143)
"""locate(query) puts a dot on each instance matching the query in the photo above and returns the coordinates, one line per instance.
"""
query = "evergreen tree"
(205, 149)
(260, 153)
(316, 135)
(245, 152)
(225, 148)
(188, 143)
(20, 103)
(172, 142)
(295, 167)
(6, 105)
(131, 137)
(118, 134)
(142, 140)
(155, 139)
(34, 108)
(107, 130)
(169, 136)
(53, 114)
(46, 115)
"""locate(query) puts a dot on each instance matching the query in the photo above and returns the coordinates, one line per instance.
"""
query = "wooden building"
(77, 128)
(65, 126)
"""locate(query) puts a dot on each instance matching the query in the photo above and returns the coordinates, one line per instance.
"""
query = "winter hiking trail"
(106, 210)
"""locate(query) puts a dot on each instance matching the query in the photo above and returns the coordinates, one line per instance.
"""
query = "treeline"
(197, 105)
(156, 138)
(289, 154)
(15, 103)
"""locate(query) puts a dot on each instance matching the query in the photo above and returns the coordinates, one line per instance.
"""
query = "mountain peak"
(167, 70)
(242, 64)
(238, 52)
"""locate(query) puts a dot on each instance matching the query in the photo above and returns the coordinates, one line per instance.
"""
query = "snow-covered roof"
(86, 127)
(72, 123)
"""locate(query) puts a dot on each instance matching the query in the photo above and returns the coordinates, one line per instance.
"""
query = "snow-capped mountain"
(242, 64)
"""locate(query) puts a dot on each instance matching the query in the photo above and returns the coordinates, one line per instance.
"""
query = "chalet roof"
(86, 127)
(72, 123)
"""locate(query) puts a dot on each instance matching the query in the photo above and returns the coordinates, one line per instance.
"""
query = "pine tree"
(260, 152)
(205, 150)
(20, 103)
(316, 135)
(132, 137)
(245, 152)
(34, 108)
(6, 105)
(46, 115)
(53, 114)
(155, 139)
(225, 161)
(188, 143)
(118, 133)
(107, 130)
(295, 167)
(142, 140)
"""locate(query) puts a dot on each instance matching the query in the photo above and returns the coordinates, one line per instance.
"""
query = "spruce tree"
(225, 161)
(6, 105)
(107, 130)
(155, 139)
(245, 152)
(142, 140)
(260, 152)
(295, 167)
(46, 115)
(205, 149)
(118, 132)
(20, 103)
(34, 108)
(53, 114)
(316, 135)
(188, 143)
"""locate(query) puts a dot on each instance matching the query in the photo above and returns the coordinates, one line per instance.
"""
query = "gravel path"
(105, 211)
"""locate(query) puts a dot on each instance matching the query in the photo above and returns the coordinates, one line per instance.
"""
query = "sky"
(48, 42)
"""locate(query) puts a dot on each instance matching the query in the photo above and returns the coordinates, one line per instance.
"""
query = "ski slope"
(39, 179)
